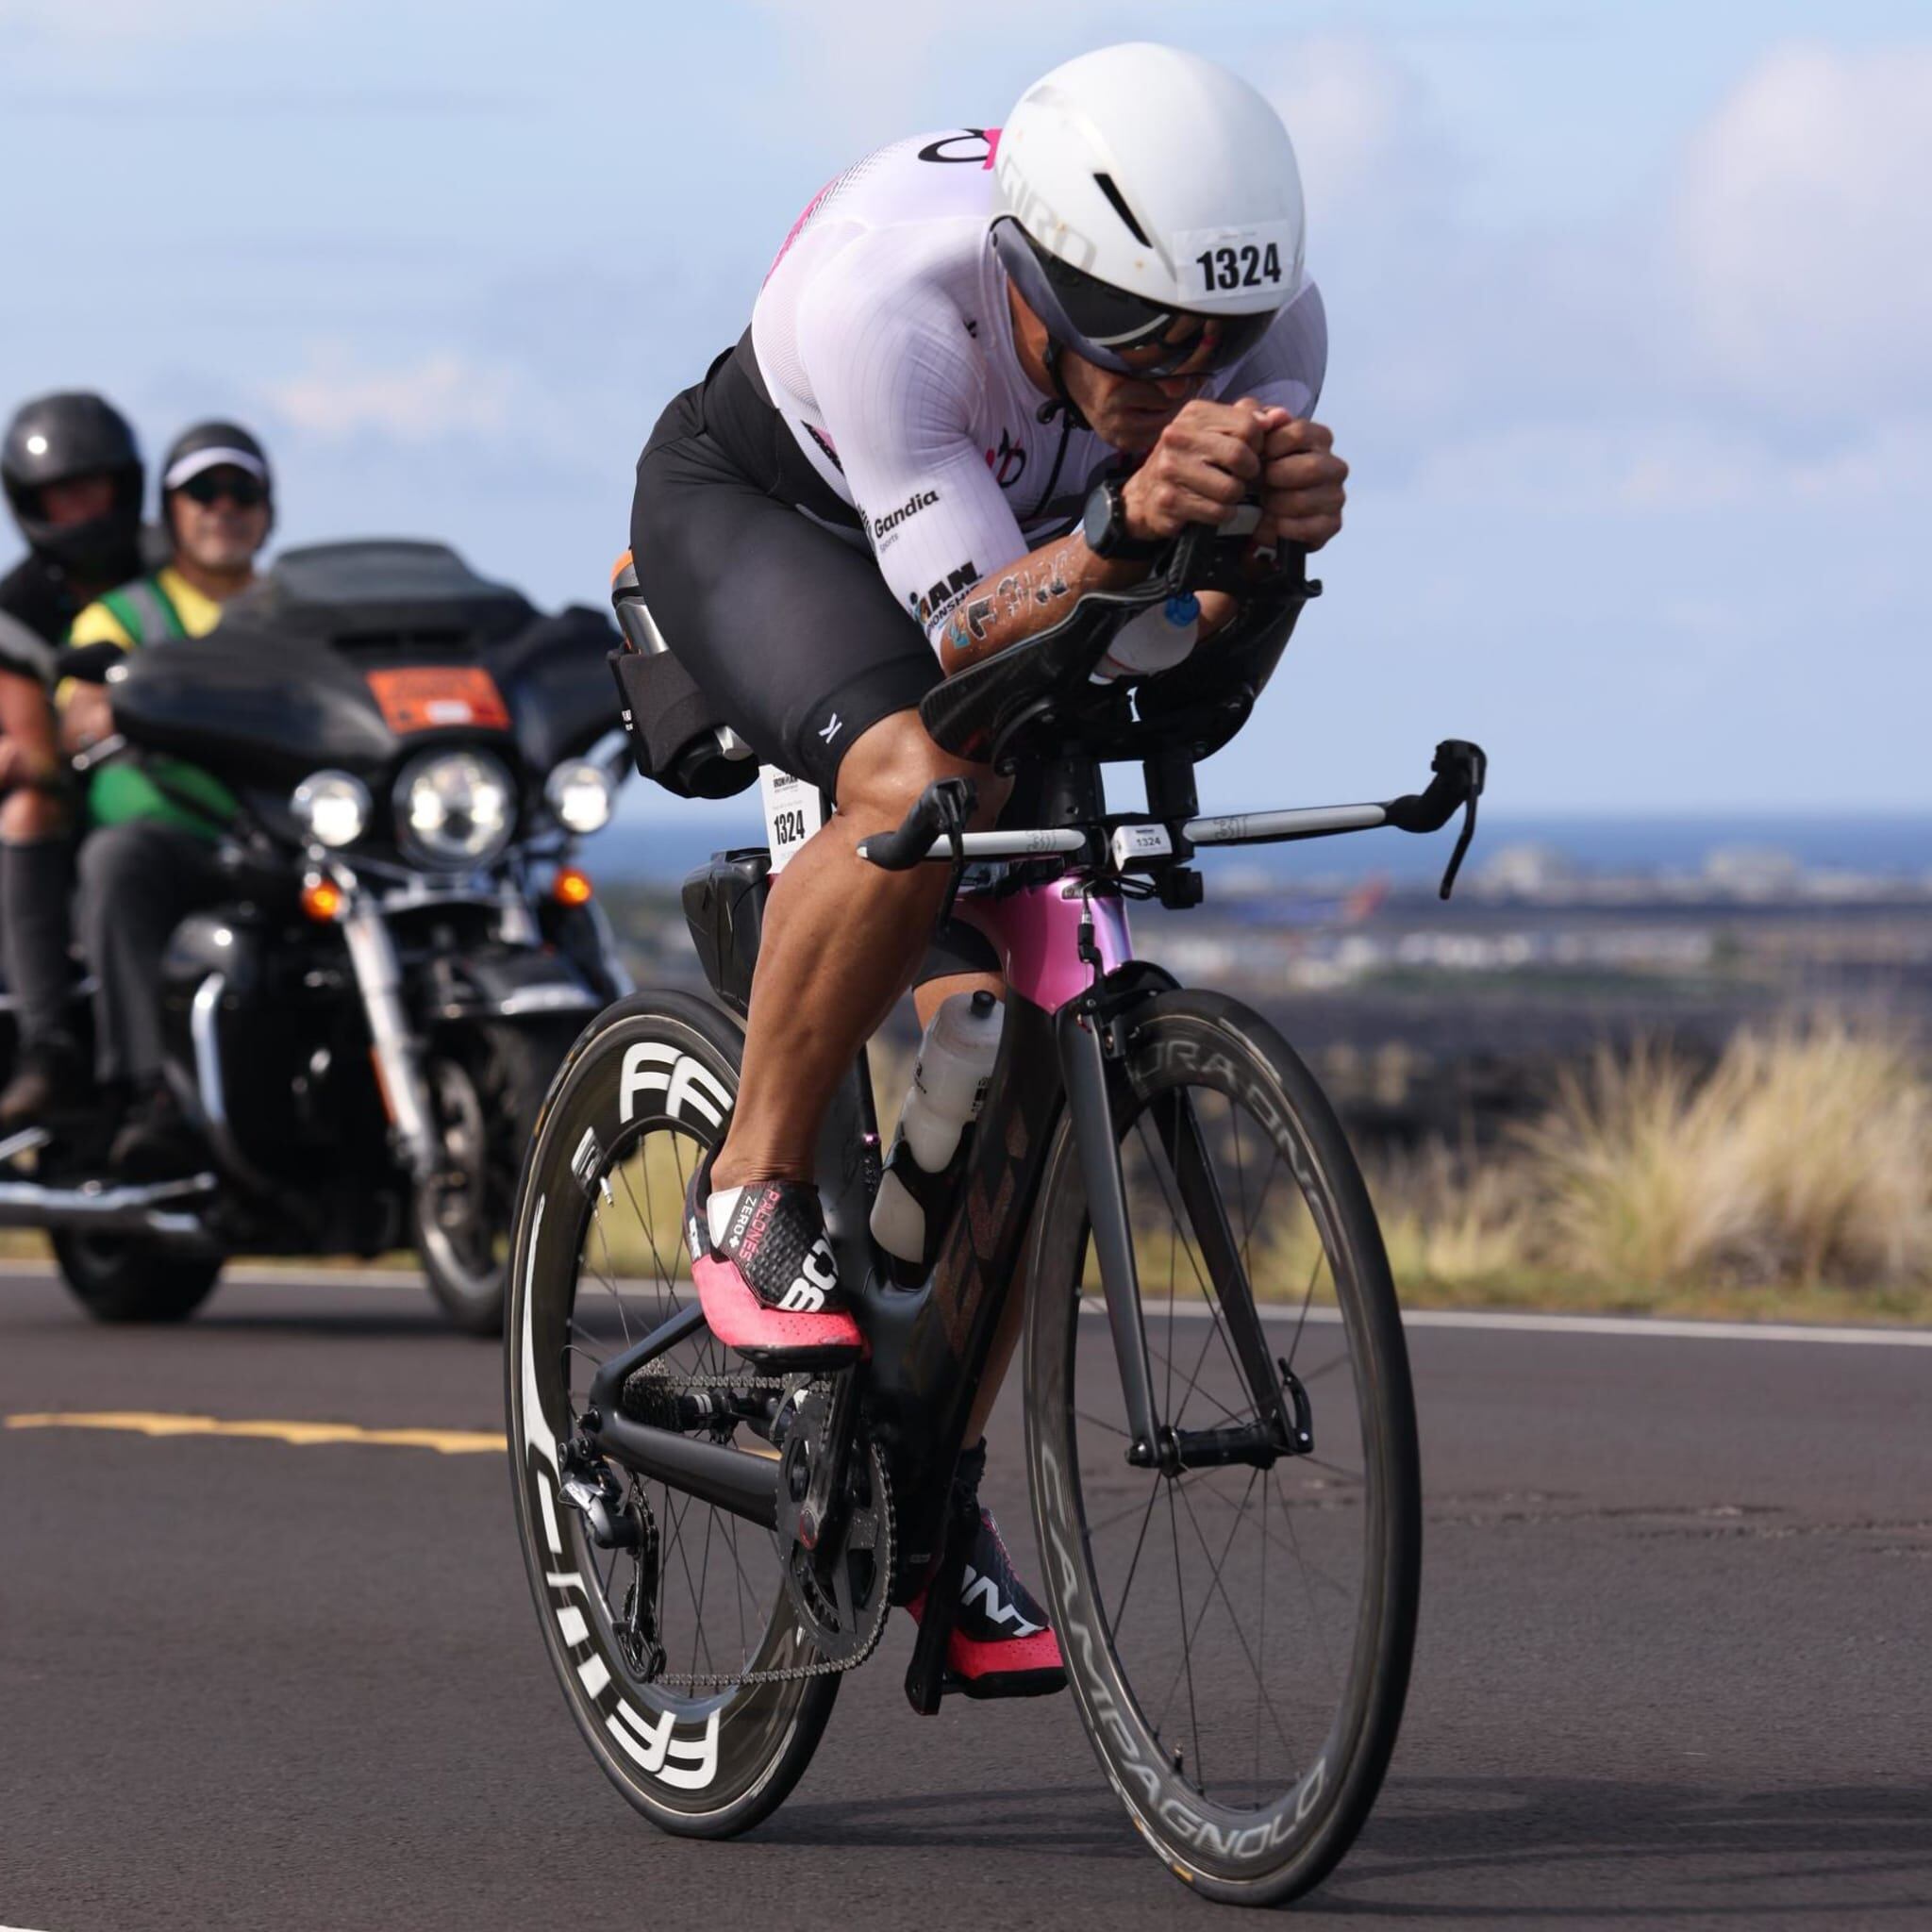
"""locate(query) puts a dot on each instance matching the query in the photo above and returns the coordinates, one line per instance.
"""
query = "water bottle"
(915, 1201)
(1156, 640)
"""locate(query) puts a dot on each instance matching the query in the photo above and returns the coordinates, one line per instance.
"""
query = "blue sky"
(1631, 309)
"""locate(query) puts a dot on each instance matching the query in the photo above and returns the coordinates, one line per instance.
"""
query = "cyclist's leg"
(841, 942)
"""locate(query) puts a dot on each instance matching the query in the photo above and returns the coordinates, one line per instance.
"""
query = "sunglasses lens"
(1118, 329)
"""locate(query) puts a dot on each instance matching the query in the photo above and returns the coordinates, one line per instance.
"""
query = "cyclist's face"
(1128, 412)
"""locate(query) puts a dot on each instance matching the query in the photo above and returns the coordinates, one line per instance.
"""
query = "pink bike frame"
(1037, 931)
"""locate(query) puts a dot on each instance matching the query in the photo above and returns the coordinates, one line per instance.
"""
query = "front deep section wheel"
(672, 1633)
(1236, 1601)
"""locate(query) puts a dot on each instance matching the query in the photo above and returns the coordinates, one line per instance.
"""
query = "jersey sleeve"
(895, 375)
(1287, 366)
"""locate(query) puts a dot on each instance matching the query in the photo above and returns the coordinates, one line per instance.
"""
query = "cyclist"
(73, 481)
(1012, 362)
(150, 859)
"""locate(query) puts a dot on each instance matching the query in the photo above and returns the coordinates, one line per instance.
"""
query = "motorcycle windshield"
(352, 655)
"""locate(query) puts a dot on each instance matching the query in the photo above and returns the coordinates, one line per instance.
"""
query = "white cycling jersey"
(884, 336)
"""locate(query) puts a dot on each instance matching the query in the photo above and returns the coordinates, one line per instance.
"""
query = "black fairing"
(280, 688)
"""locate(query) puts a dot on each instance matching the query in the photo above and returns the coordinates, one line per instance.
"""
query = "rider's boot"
(1000, 1645)
(156, 1141)
(51, 1080)
(765, 1273)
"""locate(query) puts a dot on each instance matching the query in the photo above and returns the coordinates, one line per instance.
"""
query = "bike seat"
(1039, 695)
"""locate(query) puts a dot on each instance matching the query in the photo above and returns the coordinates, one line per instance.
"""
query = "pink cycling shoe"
(766, 1275)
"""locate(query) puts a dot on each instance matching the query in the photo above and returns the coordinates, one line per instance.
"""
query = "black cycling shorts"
(788, 627)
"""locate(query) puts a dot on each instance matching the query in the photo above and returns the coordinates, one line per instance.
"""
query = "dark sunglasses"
(1116, 328)
(243, 491)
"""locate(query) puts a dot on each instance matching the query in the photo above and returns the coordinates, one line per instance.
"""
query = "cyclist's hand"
(1205, 462)
(1301, 481)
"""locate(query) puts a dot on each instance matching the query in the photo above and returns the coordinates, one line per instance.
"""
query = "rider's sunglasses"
(1115, 328)
(243, 491)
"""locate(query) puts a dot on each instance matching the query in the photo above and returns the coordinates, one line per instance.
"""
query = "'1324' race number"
(1246, 267)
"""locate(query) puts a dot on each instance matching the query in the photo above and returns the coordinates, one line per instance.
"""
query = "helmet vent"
(1104, 183)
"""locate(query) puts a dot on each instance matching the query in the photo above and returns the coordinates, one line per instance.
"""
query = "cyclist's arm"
(896, 377)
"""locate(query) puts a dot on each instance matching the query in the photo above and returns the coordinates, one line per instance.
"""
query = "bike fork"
(1083, 1066)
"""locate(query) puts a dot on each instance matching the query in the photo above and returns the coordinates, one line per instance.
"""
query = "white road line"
(1503, 1321)
(1647, 1327)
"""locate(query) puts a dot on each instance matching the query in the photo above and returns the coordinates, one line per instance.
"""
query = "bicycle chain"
(797, 1388)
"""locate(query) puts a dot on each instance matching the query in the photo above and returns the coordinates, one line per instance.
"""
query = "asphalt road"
(1676, 1665)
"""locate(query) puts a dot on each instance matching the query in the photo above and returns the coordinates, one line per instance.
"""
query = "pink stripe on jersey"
(811, 207)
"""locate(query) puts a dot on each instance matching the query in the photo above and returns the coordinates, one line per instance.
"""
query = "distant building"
(1527, 871)
(1753, 871)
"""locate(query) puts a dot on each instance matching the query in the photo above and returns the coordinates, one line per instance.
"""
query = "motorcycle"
(364, 1031)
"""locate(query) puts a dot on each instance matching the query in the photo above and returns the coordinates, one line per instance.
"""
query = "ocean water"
(659, 839)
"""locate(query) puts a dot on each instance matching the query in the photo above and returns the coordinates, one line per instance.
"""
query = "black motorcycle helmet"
(55, 439)
(213, 446)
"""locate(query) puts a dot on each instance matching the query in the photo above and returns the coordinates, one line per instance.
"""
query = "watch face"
(1097, 524)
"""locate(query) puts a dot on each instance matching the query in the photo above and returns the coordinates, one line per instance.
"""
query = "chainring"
(843, 1590)
(842, 1597)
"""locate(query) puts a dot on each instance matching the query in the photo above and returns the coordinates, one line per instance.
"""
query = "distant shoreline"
(658, 840)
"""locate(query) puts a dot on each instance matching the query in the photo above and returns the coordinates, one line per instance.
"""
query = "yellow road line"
(302, 1435)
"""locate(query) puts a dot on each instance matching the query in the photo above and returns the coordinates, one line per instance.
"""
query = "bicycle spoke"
(1114, 1628)
(1216, 1585)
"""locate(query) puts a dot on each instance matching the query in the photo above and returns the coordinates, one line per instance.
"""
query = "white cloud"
(1366, 133)
(1802, 230)
(442, 394)
(1676, 466)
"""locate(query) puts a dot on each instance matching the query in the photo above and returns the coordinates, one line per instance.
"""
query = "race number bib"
(1227, 268)
(794, 811)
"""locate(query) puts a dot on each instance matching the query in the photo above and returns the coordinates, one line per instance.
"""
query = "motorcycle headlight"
(455, 808)
(332, 808)
(581, 794)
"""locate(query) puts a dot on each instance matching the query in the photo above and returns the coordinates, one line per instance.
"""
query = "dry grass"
(1802, 1156)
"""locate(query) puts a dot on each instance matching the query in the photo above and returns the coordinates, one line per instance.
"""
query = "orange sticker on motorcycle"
(437, 697)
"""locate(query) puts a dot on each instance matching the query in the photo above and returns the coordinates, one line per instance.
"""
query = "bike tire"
(120, 1279)
(508, 1066)
(1205, 1045)
(702, 1765)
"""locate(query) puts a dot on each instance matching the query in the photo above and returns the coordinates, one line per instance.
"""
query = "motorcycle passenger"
(149, 859)
(967, 340)
(73, 481)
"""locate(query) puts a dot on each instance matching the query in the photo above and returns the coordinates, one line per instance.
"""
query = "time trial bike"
(1220, 1436)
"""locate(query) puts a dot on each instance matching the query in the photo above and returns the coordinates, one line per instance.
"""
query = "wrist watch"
(1105, 526)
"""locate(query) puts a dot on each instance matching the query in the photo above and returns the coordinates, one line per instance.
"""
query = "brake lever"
(956, 799)
(1472, 765)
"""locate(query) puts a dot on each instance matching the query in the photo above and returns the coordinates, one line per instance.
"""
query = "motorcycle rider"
(964, 340)
(73, 480)
(149, 859)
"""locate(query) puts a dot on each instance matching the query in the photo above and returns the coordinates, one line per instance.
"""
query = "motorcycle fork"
(392, 1042)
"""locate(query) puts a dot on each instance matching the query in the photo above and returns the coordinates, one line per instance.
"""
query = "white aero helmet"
(1149, 209)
